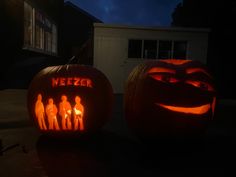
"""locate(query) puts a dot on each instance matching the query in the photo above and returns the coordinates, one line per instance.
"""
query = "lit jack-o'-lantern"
(70, 99)
(169, 98)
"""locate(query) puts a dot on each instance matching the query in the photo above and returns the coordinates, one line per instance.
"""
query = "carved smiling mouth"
(188, 110)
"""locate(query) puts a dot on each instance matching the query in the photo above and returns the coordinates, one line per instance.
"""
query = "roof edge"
(68, 3)
(160, 28)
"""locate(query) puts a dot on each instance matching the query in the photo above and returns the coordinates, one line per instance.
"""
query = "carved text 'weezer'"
(71, 81)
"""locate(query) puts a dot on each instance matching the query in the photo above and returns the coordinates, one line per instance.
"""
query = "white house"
(118, 49)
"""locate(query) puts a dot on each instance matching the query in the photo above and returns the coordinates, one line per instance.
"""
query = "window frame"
(157, 48)
(36, 23)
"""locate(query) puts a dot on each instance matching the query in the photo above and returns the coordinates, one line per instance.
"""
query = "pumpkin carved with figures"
(70, 99)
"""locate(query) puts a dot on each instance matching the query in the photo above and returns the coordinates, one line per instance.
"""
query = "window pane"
(54, 38)
(164, 49)
(135, 49)
(180, 48)
(39, 17)
(39, 32)
(150, 49)
(48, 24)
(28, 25)
(48, 41)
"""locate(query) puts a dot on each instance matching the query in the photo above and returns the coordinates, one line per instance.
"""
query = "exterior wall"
(13, 25)
(111, 48)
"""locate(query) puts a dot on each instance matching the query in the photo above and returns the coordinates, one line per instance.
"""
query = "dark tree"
(220, 17)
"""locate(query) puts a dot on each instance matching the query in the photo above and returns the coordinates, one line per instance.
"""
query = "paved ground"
(112, 152)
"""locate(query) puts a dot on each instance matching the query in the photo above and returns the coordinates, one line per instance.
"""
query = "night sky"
(130, 12)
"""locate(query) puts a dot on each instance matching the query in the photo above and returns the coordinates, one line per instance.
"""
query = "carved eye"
(162, 78)
(201, 85)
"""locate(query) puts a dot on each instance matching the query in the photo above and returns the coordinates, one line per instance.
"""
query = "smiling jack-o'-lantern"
(169, 98)
(70, 99)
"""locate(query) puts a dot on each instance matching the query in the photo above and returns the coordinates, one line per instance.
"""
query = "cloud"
(132, 12)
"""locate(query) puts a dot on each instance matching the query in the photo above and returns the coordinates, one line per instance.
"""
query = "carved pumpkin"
(70, 99)
(169, 98)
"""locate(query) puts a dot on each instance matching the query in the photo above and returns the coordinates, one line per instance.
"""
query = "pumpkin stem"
(73, 58)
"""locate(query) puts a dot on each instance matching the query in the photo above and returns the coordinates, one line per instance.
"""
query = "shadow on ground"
(106, 154)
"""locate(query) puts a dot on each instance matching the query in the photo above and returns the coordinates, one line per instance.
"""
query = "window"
(165, 49)
(135, 49)
(153, 49)
(150, 49)
(48, 41)
(48, 35)
(180, 48)
(54, 38)
(40, 32)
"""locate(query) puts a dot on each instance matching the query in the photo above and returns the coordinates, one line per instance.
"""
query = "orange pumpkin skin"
(169, 98)
(70, 100)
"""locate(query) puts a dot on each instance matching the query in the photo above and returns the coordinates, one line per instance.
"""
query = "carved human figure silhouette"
(78, 114)
(40, 113)
(51, 111)
(65, 113)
